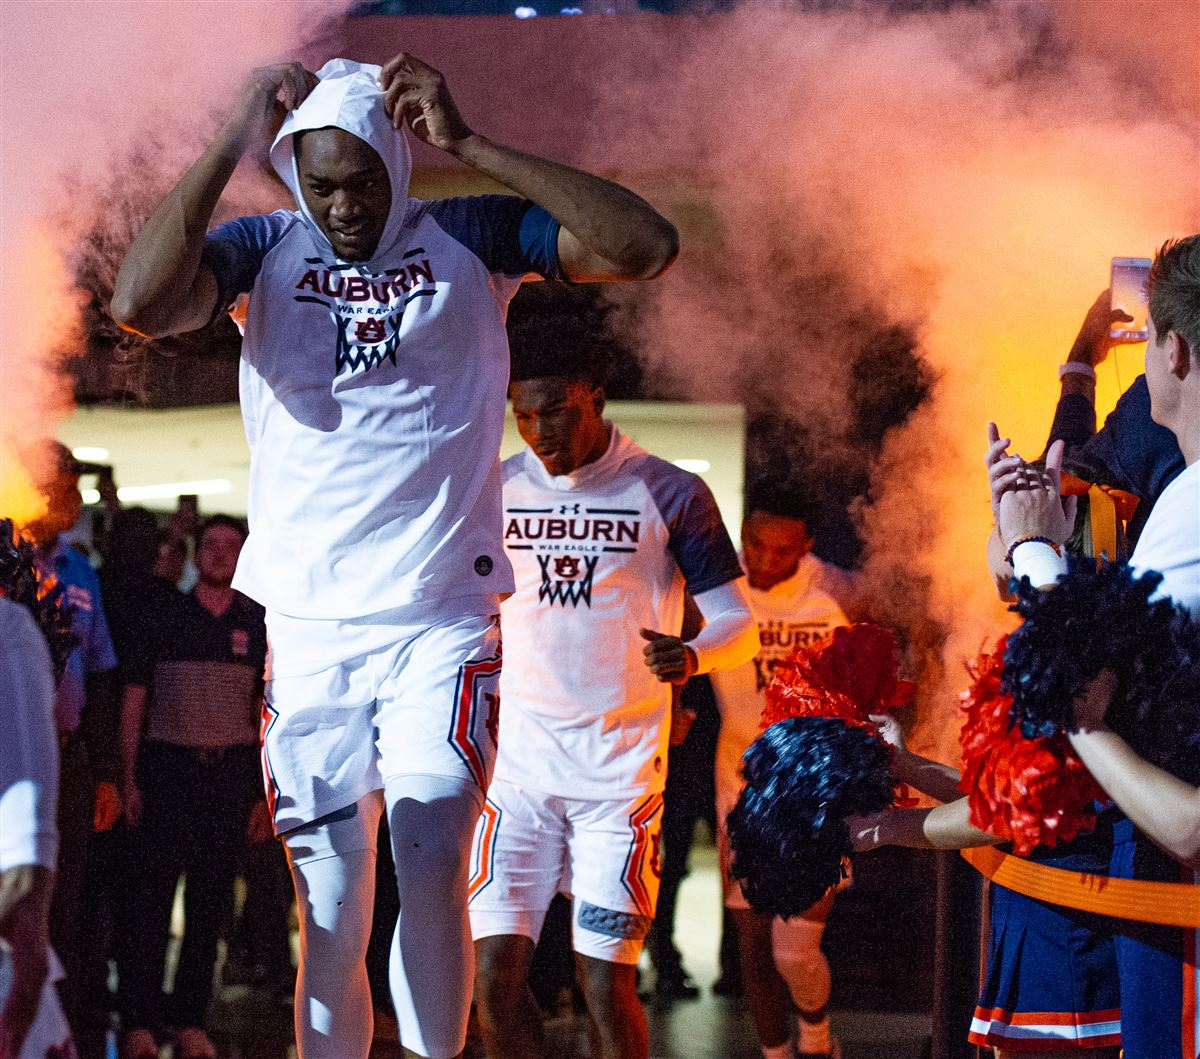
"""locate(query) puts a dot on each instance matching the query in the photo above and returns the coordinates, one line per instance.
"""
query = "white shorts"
(530, 846)
(425, 704)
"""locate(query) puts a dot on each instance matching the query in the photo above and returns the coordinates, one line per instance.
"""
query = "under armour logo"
(568, 509)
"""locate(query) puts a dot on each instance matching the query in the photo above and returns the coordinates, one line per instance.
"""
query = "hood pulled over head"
(347, 96)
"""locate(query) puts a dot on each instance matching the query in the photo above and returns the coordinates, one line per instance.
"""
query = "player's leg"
(509, 1016)
(435, 733)
(766, 992)
(325, 794)
(432, 963)
(516, 871)
(333, 868)
(620, 1022)
(613, 849)
(796, 944)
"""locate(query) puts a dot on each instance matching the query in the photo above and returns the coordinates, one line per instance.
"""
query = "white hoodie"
(373, 392)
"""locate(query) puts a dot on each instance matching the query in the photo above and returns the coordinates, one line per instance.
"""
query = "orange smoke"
(84, 82)
(35, 390)
(971, 172)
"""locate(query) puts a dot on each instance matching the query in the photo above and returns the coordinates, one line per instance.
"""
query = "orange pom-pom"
(1033, 792)
(849, 674)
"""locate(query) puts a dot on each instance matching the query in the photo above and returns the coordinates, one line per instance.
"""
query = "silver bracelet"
(1076, 367)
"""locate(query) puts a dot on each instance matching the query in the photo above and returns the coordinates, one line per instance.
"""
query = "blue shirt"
(94, 652)
(1130, 452)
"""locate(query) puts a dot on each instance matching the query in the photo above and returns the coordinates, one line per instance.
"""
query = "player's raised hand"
(670, 659)
(416, 93)
(268, 94)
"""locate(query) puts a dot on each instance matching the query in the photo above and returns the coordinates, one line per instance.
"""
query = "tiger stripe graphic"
(644, 821)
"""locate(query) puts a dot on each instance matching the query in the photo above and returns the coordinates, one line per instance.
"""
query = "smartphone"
(1128, 288)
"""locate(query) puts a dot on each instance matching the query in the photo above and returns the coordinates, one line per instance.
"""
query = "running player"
(374, 368)
(604, 539)
(782, 962)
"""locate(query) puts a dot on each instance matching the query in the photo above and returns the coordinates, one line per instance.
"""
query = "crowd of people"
(388, 546)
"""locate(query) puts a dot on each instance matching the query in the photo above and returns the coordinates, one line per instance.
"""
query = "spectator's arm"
(942, 827)
(929, 777)
(25, 893)
(1075, 416)
(28, 800)
(1159, 804)
(999, 566)
(133, 713)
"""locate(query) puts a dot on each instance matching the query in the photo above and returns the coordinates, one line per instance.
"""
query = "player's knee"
(608, 986)
(798, 957)
(501, 973)
(435, 864)
(432, 820)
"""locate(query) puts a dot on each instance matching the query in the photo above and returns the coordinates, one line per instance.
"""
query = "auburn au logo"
(567, 579)
(566, 567)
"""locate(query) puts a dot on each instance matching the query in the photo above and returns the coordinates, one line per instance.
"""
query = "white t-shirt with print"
(598, 555)
(794, 613)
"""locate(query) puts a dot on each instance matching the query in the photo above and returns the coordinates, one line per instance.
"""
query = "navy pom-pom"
(20, 582)
(1101, 617)
(788, 831)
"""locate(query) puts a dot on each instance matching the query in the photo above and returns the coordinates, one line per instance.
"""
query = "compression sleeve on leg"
(333, 867)
(432, 821)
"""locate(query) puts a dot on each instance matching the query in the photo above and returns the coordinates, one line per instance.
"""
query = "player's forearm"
(1159, 804)
(156, 292)
(730, 634)
(609, 220)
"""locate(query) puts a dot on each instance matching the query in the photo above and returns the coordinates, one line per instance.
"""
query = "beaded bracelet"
(1008, 558)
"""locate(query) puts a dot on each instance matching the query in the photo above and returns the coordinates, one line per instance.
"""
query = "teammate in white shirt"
(1160, 996)
(374, 369)
(604, 539)
(782, 961)
(32, 1023)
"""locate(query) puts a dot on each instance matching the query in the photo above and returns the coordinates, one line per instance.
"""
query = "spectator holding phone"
(1160, 839)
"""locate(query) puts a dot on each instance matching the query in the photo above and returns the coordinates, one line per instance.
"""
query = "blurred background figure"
(781, 960)
(84, 709)
(189, 753)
